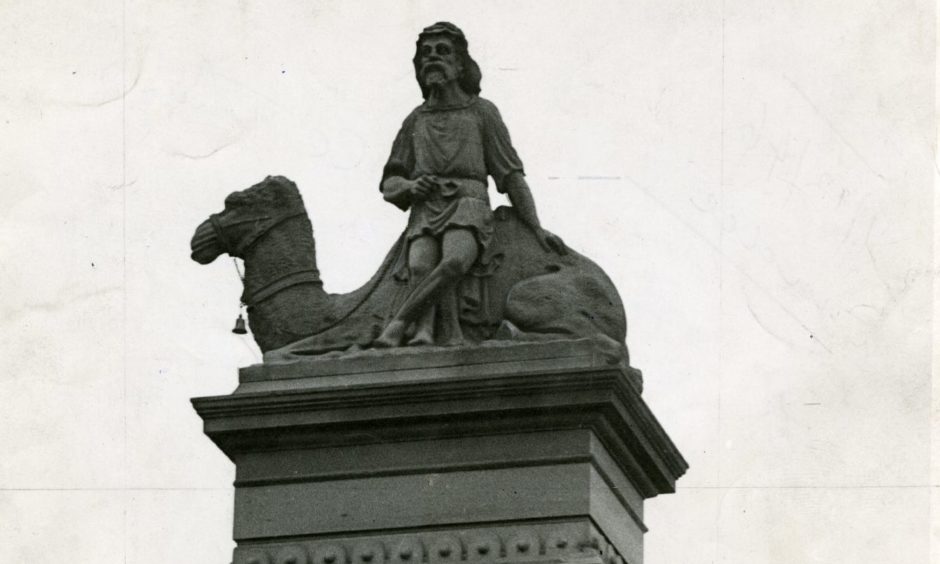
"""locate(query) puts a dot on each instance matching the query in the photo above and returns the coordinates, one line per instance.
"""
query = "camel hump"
(569, 303)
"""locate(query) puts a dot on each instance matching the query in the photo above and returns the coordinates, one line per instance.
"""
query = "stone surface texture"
(532, 452)
(535, 294)
(550, 542)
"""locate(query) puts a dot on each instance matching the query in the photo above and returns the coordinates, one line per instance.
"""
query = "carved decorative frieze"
(535, 543)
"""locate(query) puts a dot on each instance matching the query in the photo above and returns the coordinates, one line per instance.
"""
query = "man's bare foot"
(392, 335)
(457, 341)
(454, 336)
(421, 339)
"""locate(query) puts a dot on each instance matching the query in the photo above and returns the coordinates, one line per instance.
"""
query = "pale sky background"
(756, 177)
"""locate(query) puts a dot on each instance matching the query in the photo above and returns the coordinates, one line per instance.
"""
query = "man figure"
(440, 161)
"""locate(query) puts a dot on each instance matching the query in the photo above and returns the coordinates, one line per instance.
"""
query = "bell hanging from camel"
(239, 328)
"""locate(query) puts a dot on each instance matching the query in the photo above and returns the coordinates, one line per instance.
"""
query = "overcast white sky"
(757, 178)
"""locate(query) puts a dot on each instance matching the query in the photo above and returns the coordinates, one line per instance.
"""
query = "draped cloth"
(467, 143)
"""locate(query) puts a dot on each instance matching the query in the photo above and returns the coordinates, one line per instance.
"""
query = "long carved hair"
(470, 75)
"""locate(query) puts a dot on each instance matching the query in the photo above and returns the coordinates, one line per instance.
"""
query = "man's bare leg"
(450, 317)
(424, 328)
(423, 255)
(459, 250)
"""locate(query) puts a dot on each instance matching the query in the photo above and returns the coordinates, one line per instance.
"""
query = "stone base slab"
(348, 461)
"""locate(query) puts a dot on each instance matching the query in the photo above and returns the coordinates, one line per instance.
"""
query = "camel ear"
(278, 192)
(233, 199)
(283, 190)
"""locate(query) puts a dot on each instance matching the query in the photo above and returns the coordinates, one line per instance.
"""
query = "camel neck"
(282, 257)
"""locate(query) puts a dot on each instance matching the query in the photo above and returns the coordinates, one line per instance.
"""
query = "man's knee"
(453, 267)
(420, 269)
(422, 258)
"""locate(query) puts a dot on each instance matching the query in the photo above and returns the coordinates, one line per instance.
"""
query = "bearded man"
(438, 168)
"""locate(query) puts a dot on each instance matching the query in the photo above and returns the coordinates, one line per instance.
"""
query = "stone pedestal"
(505, 453)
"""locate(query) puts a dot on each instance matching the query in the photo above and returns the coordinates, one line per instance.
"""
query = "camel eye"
(426, 50)
(443, 50)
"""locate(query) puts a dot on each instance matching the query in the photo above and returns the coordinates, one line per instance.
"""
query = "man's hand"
(423, 188)
(550, 242)
(403, 192)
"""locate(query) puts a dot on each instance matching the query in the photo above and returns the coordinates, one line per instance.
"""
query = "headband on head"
(443, 28)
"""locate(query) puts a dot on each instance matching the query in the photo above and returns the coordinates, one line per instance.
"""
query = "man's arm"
(515, 186)
(403, 192)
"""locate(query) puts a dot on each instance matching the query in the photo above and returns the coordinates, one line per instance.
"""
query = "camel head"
(248, 215)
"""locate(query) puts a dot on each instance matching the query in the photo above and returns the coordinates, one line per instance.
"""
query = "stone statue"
(427, 427)
(459, 274)
(440, 161)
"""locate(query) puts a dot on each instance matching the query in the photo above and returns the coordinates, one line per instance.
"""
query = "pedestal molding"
(577, 539)
(355, 414)
(342, 463)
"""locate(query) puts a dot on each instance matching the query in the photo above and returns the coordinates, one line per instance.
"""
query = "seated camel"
(533, 294)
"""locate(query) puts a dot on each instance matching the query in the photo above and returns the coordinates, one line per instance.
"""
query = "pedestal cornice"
(393, 399)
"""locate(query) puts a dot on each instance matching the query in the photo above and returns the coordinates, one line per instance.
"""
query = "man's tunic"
(461, 145)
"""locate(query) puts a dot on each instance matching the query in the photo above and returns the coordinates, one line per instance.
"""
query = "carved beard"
(434, 78)
(436, 75)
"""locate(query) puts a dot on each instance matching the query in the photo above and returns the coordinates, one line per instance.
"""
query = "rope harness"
(301, 276)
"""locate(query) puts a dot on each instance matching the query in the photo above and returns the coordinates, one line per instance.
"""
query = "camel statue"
(533, 294)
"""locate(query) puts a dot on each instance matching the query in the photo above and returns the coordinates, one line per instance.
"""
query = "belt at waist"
(461, 187)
